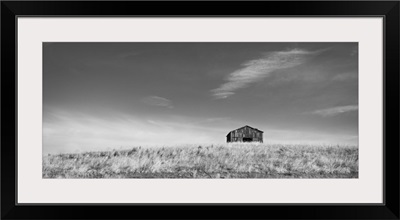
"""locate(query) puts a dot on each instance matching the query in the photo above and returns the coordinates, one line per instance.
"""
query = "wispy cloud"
(258, 69)
(69, 131)
(308, 137)
(345, 76)
(158, 124)
(335, 110)
(217, 119)
(158, 101)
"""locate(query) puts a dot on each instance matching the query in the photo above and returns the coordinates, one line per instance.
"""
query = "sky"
(102, 96)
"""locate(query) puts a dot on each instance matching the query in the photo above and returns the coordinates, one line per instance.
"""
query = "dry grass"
(213, 161)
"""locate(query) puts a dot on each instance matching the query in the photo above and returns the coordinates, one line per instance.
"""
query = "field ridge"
(243, 160)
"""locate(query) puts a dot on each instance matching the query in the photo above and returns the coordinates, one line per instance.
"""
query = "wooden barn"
(245, 134)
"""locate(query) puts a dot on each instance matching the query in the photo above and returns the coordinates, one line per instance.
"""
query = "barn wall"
(246, 132)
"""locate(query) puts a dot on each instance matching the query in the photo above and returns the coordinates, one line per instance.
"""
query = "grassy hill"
(245, 160)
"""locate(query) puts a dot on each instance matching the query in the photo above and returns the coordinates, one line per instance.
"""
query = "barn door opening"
(247, 139)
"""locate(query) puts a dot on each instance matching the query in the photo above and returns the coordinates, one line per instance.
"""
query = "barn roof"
(244, 127)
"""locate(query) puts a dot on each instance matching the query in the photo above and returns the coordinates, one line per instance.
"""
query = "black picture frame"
(11, 10)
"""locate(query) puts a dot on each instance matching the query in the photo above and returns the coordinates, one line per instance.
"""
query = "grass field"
(212, 161)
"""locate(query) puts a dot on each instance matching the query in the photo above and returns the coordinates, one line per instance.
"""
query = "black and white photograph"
(197, 110)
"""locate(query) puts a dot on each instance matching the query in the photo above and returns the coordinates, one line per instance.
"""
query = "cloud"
(158, 101)
(70, 131)
(258, 69)
(328, 112)
(345, 76)
(308, 137)
(217, 119)
(159, 124)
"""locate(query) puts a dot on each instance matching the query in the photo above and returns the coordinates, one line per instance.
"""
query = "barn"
(245, 134)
